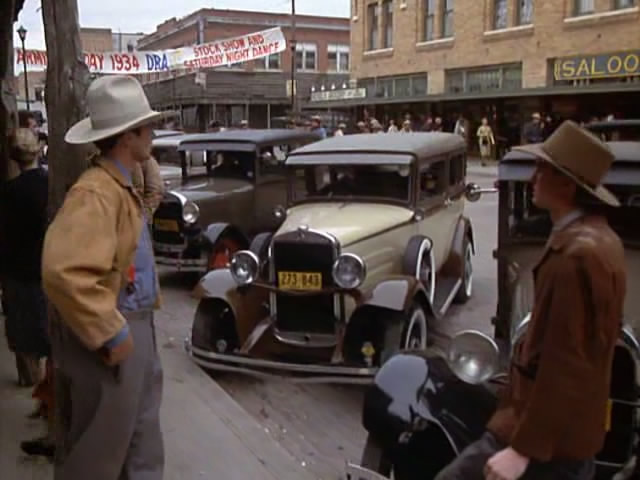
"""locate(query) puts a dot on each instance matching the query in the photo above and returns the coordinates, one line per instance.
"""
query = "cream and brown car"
(373, 246)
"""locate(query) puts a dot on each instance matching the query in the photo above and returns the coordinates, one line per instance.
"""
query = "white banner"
(244, 48)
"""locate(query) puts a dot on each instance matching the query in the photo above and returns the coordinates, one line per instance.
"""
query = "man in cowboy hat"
(98, 271)
(551, 419)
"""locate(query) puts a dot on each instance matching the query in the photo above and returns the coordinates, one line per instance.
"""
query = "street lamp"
(22, 33)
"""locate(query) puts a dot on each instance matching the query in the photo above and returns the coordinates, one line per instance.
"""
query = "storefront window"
(338, 56)
(525, 12)
(512, 78)
(455, 82)
(419, 85)
(306, 56)
(384, 88)
(500, 14)
(483, 81)
(402, 87)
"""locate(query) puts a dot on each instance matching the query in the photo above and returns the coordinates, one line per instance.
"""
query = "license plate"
(300, 280)
(166, 225)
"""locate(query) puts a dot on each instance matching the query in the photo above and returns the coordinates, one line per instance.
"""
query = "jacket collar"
(118, 174)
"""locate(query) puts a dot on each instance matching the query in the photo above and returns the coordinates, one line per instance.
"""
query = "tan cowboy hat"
(578, 154)
(116, 103)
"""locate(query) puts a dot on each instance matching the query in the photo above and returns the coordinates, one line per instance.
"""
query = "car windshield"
(528, 222)
(350, 182)
(225, 164)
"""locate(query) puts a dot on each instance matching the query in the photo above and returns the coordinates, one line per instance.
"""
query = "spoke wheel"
(466, 289)
(426, 273)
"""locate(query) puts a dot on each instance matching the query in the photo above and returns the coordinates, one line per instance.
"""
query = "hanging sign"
(244, 48)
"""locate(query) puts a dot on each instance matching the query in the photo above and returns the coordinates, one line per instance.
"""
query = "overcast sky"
(132, 16)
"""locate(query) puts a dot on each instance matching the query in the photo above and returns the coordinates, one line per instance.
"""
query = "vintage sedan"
(230, 182)
(423, 410)
(374, 245)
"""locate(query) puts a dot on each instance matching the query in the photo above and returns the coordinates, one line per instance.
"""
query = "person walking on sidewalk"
(550, 420)
(98, 271)
(486, 141)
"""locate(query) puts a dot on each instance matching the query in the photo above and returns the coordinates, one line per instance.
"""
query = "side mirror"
(418, 215)
(473, 357)
(473, 192)
(279, 212)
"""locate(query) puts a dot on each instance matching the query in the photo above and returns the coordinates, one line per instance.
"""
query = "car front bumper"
(294, 372)
(172, 255)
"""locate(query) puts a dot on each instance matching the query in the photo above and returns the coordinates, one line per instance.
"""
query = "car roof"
(255, 136)
(337, 149)
(161, 132)
(171, 140)
(519, 166)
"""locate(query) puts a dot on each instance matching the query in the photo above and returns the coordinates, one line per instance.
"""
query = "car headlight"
(244, 267)
(349, 271)
(190, 212)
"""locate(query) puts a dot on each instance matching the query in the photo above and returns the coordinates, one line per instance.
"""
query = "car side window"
(271, 160)
(433, 180)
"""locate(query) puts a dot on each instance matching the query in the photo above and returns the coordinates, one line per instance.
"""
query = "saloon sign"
(609, 65)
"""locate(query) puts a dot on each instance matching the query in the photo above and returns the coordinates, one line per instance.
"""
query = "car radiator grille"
(305, 313)
(169, 209)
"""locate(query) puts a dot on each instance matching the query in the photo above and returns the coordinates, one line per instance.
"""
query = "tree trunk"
(66, 88)
(8, 13)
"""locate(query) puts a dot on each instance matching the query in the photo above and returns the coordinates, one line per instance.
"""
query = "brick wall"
(553, 33)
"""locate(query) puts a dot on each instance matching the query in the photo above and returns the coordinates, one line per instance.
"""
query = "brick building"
(500, 58)
(258, 91)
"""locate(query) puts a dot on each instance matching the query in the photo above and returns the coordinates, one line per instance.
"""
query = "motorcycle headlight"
(190, 212)
(244, 267)
(349, 271)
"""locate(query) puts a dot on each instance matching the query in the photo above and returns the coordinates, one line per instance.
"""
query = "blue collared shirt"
(144, 292)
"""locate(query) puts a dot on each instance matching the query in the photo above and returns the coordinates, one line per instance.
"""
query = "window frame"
(617, 4)
(265, 63)
(304, 48)
(500, 19)
(373, 21)
(387, 21)
(520, 10)
(577, 8)
(448, 11)
(340, 51)
(429, 13)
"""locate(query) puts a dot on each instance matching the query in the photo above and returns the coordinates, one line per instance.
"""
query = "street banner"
(244, 48)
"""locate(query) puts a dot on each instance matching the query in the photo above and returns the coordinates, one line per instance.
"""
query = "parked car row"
(328, 261)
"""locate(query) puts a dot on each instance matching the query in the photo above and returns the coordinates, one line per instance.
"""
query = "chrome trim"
(179, 196)
(630, 339)
(169, 247)
(310, 340)
(256, 334)
(253, 257)
(452, 294)
(273, 311)
(183, 265)
(184, 206)
(252, 366)
(359, 260)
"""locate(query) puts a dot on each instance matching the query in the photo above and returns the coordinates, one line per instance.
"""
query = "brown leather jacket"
(556, 403)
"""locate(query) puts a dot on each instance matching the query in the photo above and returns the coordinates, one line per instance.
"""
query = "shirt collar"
(125, 172)
(569, 218)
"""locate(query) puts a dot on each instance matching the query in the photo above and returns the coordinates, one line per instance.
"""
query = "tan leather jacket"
(87, 251)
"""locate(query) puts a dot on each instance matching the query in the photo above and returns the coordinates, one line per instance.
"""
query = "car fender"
(215, 231)
(398, 294)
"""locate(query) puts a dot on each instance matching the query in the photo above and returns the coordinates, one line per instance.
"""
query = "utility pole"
(294, 90)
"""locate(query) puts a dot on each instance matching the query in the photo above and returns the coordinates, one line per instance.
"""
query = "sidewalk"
(207, 434)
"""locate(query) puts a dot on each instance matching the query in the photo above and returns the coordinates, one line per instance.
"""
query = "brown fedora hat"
(578, 154)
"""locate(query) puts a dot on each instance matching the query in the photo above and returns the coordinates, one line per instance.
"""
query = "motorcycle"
(424, 409)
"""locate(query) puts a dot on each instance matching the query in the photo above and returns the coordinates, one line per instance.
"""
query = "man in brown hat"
(98, 270)
(551, 419)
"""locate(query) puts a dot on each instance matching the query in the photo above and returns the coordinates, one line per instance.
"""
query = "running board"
(446, 290)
